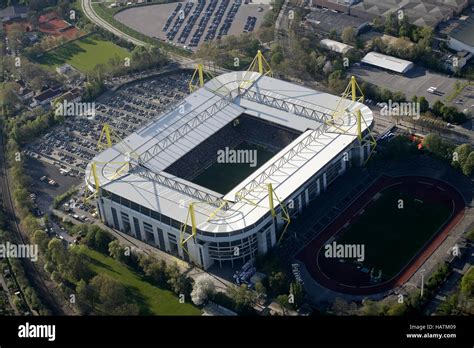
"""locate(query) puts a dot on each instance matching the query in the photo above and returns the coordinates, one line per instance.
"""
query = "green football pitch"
(83, 54)
(222, 177)
(392, 236)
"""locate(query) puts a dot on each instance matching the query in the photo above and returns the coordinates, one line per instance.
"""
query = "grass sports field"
(83, 54)
(392, 236)
(152, 300)
(222, 177)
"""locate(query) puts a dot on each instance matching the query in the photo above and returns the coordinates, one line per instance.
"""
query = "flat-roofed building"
(383, 61)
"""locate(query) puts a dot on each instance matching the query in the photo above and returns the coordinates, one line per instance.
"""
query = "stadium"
(167, 185)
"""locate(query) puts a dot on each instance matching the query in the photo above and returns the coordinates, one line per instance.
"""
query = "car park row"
(74, 144)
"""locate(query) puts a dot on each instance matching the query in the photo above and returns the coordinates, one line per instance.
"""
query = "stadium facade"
(145, 183)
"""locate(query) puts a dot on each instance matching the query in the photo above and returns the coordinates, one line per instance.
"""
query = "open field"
(391, 235)
(83, 54)
(396, 241)
(222, 177)
(152, 300)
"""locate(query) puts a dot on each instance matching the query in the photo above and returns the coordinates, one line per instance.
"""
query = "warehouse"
(390, 63)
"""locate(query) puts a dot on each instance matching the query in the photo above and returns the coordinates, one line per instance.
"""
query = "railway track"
(34, 278)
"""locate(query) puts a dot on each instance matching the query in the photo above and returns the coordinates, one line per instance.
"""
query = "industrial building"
(461, 38)
(146, 186)
(390, 63)
(419, 12)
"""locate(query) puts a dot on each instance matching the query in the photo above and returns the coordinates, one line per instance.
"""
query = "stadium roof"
(387, 62)
(234, 93)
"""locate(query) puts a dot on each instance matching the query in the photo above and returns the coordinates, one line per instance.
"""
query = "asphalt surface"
(415, 82)
(149, 20)
(96, 19)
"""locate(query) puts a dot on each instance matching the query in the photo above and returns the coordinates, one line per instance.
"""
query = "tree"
(437, 107)
(203, 288)
(405, 28)
(260, 290)
(391, 24)
(282, 301)
(468, 167)
(397, 309)
(243, 298)
(436, 145)
(342, 307)
(424, 104)
(467, 283)
(156, 270)
(369, 307)
(41, 239)
(336, 81)
(348, 35)
(8, 97)
(116, 250)
(461, 153)
(56, 251)
(178, 282)
(102, 240)
(278, 283)
(84, 297)
(297, 291)
(76, 268)
(110, 293)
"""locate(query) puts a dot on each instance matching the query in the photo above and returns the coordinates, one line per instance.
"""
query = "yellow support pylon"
(356, 94)
(105, 131)
(259, 64)
(270, 198)
(124, 166)
(96, 183)
(285, 215)
(183, 240)
(191, 217)
(353, 88)
(359, 125)
(197, 80)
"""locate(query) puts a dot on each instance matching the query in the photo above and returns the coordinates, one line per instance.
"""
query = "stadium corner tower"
(145, 185)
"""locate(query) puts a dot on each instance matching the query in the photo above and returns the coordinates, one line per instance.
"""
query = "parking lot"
(416, 82)
(44, 192)
(189, 24)
(72, 146)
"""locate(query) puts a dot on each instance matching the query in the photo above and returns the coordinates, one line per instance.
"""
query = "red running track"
(309, 254)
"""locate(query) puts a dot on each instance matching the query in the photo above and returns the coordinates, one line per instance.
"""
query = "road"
(34, 278)
(187, 63)
(97, 20)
